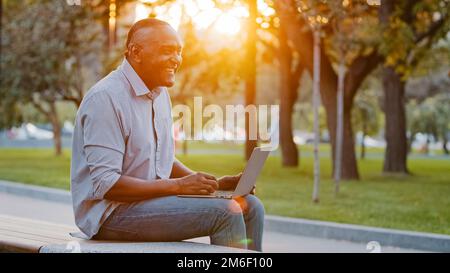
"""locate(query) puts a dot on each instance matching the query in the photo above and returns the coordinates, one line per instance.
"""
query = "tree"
(312, 13)
(372, 52)
(106, 13)
(345, 22)
(430, 81)
(10, 113)
(365, 60)
(276, 51)
(250, 75)
(366, 116)
(45, 73)
(410, 27)
(289, 82)
(431, 117)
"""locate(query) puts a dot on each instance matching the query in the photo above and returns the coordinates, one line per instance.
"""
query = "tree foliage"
(47, 46)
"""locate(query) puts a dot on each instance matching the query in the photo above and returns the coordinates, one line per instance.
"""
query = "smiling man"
(124, 176)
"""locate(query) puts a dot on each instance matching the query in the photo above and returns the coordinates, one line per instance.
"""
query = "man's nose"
(177, 59)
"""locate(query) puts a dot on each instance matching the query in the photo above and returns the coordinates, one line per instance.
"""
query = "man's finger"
(208, 176)
(210, 189)
(211, 183)
(203, 191)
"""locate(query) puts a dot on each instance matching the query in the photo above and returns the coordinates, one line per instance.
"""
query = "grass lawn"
(420, 202)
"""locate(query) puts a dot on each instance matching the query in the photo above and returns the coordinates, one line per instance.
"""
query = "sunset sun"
(204, 15)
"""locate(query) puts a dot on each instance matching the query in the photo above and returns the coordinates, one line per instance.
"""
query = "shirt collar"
(136, 82)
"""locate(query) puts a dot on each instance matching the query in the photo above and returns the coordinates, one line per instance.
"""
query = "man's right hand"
(197, 183)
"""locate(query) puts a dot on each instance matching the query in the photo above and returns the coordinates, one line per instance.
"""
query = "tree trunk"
(394, 108)
(57, 139)
(250, 82)
(363, 144)
(56, 128)
(302, 41)
(349, 167)
(288, 96)
(444, 144)
(410, 141)
(427, 146)
(52, 117)
(395, 130)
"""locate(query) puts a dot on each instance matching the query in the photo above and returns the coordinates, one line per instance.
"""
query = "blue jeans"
(234, 223)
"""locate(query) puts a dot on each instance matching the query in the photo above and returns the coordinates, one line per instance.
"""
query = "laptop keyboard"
(224, 194)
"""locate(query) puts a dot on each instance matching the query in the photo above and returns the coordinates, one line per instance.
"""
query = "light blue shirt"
(116, 134)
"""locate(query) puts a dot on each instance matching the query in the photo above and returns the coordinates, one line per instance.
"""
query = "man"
(124, 176)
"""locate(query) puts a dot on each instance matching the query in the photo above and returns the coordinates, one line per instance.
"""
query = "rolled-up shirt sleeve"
(104, 143)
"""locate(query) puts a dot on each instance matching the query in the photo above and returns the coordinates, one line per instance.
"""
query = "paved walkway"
(273, 242)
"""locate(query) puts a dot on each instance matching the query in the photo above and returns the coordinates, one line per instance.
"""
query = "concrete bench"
(25, 235)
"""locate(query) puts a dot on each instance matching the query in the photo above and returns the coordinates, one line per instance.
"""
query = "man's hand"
(229, 182)
(197, 183)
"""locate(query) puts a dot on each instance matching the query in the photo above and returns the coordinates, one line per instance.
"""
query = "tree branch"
(408, 14)
(358, 70)
(66, 97)
(432, 30)
(40, 108)
(296, 74)
(268, 45)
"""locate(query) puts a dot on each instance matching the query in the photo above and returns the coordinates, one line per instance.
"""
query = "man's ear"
(135, 52)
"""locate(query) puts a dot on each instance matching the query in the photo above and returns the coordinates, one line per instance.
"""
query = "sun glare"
(171, 15)
(204, 14)
(227, 24)
(140, 12)
(205, 19)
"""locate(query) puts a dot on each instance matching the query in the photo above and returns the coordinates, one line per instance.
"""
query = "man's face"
(160, 56)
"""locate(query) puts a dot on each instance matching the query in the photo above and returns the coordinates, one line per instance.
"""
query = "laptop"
(247, 180)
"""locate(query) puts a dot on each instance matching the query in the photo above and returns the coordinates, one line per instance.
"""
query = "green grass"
(306, 149)
(419, 202)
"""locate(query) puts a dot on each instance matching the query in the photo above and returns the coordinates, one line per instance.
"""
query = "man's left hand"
(229, 183)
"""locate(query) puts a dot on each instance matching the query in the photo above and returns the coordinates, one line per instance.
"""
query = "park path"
(26, 207)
